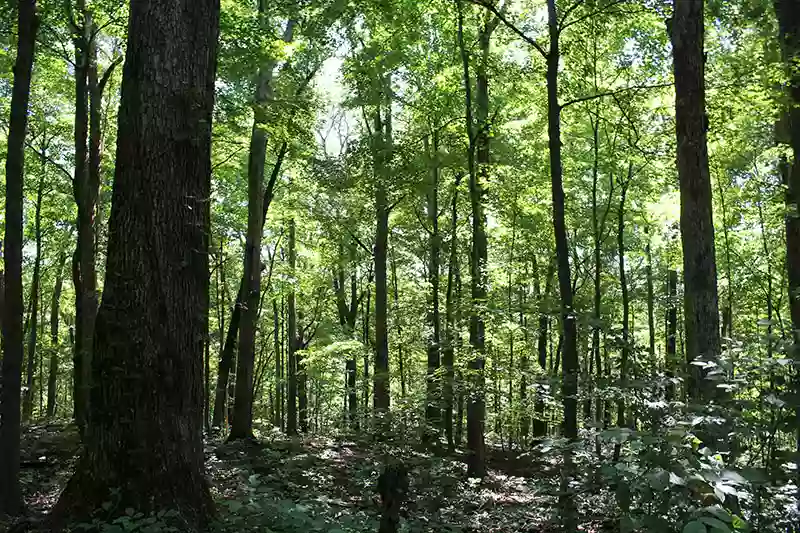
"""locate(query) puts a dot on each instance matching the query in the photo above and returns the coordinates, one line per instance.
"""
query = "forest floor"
(330, 485)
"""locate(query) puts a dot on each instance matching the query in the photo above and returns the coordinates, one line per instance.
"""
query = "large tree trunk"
(10, 495)
(433, 408)
(55, 346)
(789, 25)
(701, 307)
(144, 438)
(33, 322)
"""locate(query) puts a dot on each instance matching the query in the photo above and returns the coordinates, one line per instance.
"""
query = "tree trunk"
(671, 358)
(83, 267)
(789, 25)
(10, 495)
(651, 312)
(701, 307)
(626, 311)
(433, 395)
(450, 321)
(33, 322)
(291, 340)
(256, 163)
(242, 426)
(144, 440)
(55, 314)
(539, 422)
(381, 157)
(478, 165)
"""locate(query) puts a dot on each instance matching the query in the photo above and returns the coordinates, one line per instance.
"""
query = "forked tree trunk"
(701, 306)
(144, 442)
(10, 494)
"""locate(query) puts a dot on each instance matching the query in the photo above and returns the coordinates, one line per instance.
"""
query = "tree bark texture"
(10, 495)
(701, 306)
(144, 436)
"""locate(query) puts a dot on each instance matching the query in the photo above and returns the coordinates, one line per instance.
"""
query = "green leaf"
(716, 524)
(695, 526)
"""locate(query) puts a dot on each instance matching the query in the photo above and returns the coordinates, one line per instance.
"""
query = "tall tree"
(243, 407)
(10, 495)
(291, 340)
(433, 408)
(151, 326)
(789, 27)
(701, 306)
(382, 157)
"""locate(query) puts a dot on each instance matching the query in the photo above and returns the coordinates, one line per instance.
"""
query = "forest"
(387, 265)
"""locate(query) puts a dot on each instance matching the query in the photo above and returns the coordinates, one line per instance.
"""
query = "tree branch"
(613, 93)
(499, 14)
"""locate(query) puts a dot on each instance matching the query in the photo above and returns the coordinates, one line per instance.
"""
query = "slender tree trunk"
(242, 426)
(83, 272)
(433, 395)
(671, 358)
(148, 343)
(450, 320)
(701, 306)
(291, 340)
(623, 284)
(651, 312)
(539, 421)
(398, 326)
(33, 323)
(10, 494)
(55, 345)
(381, 159)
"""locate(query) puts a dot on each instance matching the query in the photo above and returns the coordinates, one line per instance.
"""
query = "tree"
(149, 336)
(789, 28)
(701, 306)
(10, 496)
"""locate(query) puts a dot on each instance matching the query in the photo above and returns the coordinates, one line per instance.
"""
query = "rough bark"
(701, 306)
(55, 345)
(144, 436)
(10, 495)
